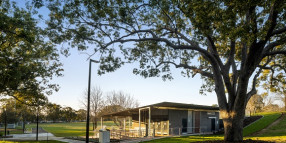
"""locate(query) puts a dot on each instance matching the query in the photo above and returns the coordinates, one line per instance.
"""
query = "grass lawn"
(67, 129)
(257, 126)
(12, 131)
(30, 142)
(275, 133)
(186, 139)
(261, 124)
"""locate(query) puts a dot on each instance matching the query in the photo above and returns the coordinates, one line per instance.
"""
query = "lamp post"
(88, 100)
(5, 122)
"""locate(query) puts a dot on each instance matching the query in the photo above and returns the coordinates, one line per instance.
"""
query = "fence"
(136, 133)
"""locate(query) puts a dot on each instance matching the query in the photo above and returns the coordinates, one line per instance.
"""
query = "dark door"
(185, 125)
(213, 124)
(197, 121)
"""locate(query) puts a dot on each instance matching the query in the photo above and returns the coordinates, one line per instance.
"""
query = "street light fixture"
(88, 100)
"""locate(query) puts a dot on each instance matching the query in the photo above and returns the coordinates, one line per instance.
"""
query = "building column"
(149, 127)
(124, 124)
(101, 123)
(129, 123)
(139, 123)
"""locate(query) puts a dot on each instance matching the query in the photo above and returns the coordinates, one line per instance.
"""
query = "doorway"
(185, 125)
(213, 124)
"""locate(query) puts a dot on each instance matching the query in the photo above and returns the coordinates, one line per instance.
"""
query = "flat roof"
(164, 105)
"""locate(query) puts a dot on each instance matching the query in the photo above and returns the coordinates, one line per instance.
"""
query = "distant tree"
(81, 115)
(255, 104)
(96, 104)
(68, 114)
(8, 109)
(28, 60)
(271, 108)
(229, 43)
(215, 105)
(25, 113)
(275, 79)
(124, 100)
(282, 97)
(54, 112)
(118, 101)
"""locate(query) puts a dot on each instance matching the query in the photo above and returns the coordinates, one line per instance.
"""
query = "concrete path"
(41, 136)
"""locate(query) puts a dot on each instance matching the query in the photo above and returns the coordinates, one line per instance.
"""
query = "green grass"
(67, 129)
(12, 131)
(276, 130)
(262, 123)
(51, 141)
(186, 139)
(257, 126)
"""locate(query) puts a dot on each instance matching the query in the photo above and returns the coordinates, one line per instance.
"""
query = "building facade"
(168, 118)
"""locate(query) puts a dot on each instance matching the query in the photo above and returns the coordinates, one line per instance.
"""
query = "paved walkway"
(50, 136)
(41, 136)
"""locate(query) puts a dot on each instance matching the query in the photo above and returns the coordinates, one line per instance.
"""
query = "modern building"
(168, 118)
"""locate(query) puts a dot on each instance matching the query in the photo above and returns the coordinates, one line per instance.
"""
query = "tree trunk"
(93, 125)
(233, 126)
(24, 121)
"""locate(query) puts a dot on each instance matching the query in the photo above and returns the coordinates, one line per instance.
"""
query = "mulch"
(248, 120)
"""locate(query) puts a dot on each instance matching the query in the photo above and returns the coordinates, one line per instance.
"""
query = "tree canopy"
(231, 44)
(28, 61)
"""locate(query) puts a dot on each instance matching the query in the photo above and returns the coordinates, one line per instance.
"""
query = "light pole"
(88, 100)
(5, 122)
(37, 129)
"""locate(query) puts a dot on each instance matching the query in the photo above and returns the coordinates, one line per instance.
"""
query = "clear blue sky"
(146, 91)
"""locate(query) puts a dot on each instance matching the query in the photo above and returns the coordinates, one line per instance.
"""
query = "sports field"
(72, 129)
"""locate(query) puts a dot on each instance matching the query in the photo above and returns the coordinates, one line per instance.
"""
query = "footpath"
(43, 135)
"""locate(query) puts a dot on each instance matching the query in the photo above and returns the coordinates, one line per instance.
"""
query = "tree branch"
(193, 68)
(271, 67)
(214, 50)
(272, 19)
(253, 90)
(278, 31)
(283, 52)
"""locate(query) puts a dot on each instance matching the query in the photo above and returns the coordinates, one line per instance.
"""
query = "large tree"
(229, 43)
(28, 61)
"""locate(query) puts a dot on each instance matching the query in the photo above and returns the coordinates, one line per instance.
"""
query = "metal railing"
(136, 133)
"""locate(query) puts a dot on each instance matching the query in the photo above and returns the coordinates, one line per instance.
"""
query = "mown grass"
(50, 141)
(267, 119)
(12, 131)
(67, 129)
(257, 126)
(276, 130)
(186, 139)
